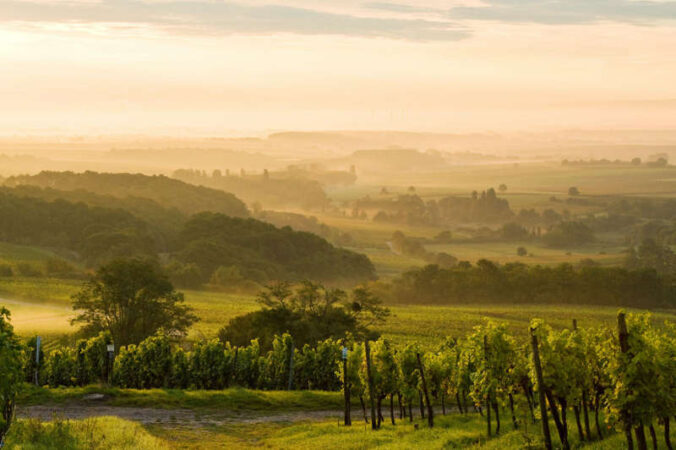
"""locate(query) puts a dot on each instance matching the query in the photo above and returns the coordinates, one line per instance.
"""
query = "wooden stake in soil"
(367, 352)
(346, 390)
(623, 336)
(541, 390)
(430, 411)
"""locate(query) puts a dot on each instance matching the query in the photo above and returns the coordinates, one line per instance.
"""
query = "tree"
(132, 299)
(573, 191)
(522, 251)
(11, 375)
(310, 313)
(502, 187)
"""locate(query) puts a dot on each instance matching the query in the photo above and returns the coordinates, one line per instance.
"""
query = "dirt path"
(185, 417)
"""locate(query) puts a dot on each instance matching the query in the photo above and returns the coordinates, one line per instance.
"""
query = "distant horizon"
(266, 133)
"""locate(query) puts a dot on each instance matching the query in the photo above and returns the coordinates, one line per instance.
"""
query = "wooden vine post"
(291, 367)
(623, 335)
(430, 411)
(541, 390)
(585, 403)
(367, 354)
(346, 389)
(488, 395)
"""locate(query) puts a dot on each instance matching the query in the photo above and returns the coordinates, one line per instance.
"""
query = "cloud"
(218, 17)
(568, 11)
(399, 8)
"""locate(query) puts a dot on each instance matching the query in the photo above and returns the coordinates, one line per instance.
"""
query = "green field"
(426, 324)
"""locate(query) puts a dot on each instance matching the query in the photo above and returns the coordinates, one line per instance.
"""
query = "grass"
(38, 290)
(427, 324)
(526, 178)
(215, 309)
(504, 252)
(100, 433)
(451, 431)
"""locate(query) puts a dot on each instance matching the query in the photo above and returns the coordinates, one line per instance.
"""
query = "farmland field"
(425, 324)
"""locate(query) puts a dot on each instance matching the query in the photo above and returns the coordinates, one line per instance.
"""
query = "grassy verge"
(452, 431)
(99, 433)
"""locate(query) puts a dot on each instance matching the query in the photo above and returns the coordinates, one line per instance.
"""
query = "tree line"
(168, 192)
(514, 283)
(268, 189)
(197, 246)
(484, 207)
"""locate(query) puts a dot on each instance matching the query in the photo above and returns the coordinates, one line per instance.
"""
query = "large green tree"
(132, 299)
(311, 312)
(11, 375)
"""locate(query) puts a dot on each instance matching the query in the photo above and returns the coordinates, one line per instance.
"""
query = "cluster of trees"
(310, 224)
(647, 208)
(662, 232)
(199, 245)
(568, 234)
(164, 221)
(484, 207)
(268, 189)
(404, 245)
(263, 252)
(132, 299)
(650, 255)
(168, 192)
(489, 282)
(96, 234)
(310, 312)
(658, 161)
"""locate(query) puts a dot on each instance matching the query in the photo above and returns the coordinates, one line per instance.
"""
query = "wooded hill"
(198, 244)
(168, 192)
(263, 252)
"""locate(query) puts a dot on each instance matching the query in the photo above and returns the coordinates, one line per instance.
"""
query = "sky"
(205, 67)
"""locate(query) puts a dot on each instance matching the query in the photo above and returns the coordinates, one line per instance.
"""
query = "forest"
(201, 244)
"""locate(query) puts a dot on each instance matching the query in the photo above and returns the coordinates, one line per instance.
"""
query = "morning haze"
(315, 224)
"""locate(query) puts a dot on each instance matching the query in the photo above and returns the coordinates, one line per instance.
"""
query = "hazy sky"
(214, 67)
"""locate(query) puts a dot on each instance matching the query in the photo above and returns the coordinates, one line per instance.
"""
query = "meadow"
(49, 314)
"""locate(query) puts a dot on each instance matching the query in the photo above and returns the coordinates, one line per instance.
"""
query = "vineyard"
(623, 379)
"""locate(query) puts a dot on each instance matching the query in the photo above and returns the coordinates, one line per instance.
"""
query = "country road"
(183, 417)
